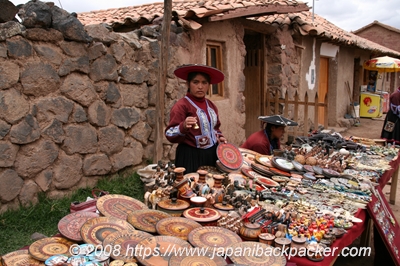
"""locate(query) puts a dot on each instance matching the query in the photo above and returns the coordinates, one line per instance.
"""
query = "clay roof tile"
(302, 21)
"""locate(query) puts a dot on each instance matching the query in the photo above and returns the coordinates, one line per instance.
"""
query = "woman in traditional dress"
(194, 121)
(391, 126)
(267, 140)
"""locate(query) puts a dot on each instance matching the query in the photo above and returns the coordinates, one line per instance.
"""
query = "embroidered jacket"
(259, 142)
(395, 102)
(207, 117)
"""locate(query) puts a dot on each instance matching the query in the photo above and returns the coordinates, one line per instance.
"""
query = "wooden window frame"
(216, 62)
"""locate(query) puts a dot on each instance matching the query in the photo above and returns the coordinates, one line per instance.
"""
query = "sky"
(349, 15)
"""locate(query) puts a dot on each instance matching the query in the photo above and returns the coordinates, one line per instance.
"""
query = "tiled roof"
(190, 9)
(278, 13)
(303, 23)
(379, 24)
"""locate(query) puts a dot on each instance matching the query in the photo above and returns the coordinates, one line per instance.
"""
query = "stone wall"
(382, 35)
(72, 111)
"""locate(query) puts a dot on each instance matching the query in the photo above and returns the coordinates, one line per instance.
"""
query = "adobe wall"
(382, 36)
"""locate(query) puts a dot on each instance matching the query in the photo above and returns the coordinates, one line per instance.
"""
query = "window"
(214, 59)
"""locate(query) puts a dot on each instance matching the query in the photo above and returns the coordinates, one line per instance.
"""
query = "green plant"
(17, 226)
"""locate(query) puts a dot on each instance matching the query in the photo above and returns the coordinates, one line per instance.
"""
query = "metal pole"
(313, 3)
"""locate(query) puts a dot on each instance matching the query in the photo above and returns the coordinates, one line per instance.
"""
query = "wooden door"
(322, 87)
(253, 73)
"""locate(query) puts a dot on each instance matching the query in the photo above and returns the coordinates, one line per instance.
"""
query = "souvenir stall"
(315, 194)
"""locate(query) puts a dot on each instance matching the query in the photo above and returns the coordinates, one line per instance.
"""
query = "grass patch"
(16, 227)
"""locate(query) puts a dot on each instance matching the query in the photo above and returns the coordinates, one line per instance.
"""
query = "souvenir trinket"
(146, 220)
(162, 246)
(21, 258)
(270, 256)
(70, 225)
(44, 248)
(95, 230)
(266, 238)
(174, 207)
(118, 206)
(250, 231)
(176, 226)
(229, 156)
(212, 237)
(126, 241)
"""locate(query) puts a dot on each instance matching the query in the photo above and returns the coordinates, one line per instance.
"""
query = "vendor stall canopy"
(277, 120)
(383, 64)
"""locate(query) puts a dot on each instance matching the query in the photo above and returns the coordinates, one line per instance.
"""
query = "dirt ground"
(369, 128)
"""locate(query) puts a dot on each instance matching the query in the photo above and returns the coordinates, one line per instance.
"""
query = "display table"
(359, 228)
(340, 243)
(394, 174)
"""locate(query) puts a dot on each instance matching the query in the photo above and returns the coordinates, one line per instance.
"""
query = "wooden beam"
(257, 11)
(257, 26)
(162, 80)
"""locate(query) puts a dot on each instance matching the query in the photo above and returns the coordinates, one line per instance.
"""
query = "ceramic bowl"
(198, 201)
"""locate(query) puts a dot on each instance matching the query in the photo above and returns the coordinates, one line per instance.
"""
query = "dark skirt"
(192, 158)
(393, 136)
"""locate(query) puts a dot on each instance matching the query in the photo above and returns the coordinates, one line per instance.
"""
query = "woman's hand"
(189, 122)
(221, 139)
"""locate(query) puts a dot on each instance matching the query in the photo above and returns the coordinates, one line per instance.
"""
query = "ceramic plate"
(250, 173)
(261, 169)
(237, 177)
(310, 176)
(264, 160)
(197, 256)
(159, 249)
(282, 164)
(308, 168)
(196, 214)
(277, 171)
(330, 173)
(118, 206)
(44, 248)
(211, 237)
(70, 225)
(95, 230)
(146, 220)
(230, 156)
(265, 258)
(298, 166)
(268, 182)
(176, 226)
(222, 168)
(280, 179)
(20, 258)
(318, 170)
(125, 241)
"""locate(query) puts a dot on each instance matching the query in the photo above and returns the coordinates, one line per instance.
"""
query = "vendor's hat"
(216, 76)
(277, 120)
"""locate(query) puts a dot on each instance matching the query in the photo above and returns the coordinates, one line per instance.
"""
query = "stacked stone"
(76, 103)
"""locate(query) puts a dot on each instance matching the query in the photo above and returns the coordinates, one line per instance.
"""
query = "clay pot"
(282, 243)
(266, 238)
(298, 243)
(179, 174)
(250, 231)
(219, 191)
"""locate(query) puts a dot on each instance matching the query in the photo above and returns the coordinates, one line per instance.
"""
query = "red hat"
(216, 76)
